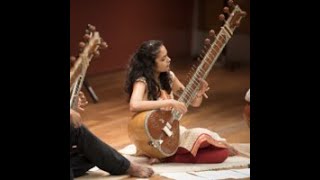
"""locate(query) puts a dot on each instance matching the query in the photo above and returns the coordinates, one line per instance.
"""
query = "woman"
(151, 85)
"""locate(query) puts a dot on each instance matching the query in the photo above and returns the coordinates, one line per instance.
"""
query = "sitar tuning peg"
(226, 10)
(91, 28)
(81, 47)
(96, 53)
(82, 44)
(193, 67)
(207, 41)
(222, 18)
(212, 33)
(231, 3)
(72, 61)
(103, 45)
(86, 37)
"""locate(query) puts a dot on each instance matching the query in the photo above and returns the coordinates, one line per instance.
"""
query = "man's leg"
(79, 163)
(97, 152)
(71, 174)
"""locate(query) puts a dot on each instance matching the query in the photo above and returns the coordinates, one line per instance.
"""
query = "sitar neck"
(211, 56)
(89, 49)
(205, 66)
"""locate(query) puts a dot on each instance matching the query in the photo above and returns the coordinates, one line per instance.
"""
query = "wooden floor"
(221, 113)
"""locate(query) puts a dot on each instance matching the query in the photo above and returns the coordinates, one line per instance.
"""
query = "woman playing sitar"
(151, 86)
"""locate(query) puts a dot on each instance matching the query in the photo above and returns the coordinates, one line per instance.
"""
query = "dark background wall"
(125, 24)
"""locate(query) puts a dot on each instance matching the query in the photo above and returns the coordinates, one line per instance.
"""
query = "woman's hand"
(203, 88)
(179, 106)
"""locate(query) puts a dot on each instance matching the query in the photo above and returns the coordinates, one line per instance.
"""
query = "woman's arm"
(137, 103)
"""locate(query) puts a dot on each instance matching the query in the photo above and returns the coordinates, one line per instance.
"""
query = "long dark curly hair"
(142, 64)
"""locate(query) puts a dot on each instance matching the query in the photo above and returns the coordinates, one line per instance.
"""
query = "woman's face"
(162, 61)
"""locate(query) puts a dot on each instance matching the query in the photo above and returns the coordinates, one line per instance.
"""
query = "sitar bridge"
(167, 129)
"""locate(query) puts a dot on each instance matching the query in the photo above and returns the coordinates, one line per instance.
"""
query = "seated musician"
(151, 85)
(87, 151)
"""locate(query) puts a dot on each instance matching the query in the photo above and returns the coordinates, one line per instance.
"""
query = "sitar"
(156, 132)
(89, 48)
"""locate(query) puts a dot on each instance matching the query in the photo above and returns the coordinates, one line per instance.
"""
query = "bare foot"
(154, 161)
(136, 170)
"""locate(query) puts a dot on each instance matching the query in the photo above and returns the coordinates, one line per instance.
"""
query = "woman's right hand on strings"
(179, 106)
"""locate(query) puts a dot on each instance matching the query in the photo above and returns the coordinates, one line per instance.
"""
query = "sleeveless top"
(191, 140)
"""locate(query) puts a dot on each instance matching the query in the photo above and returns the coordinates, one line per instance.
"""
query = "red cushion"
(209, 154)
